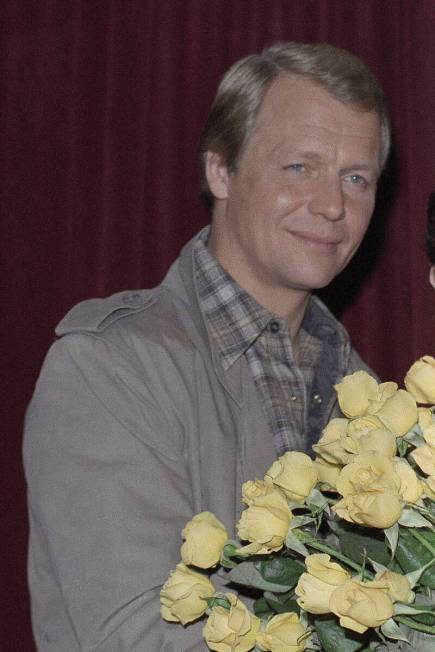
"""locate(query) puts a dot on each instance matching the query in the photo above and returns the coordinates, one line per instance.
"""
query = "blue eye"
(357, 179)
(296, 167)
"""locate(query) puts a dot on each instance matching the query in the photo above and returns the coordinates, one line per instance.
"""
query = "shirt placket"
(282, 387)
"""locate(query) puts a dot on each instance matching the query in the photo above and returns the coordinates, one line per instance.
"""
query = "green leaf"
(414, 576)
(248, 574)
(411, 518)
(412, 555)
(227, 554)
(281, 570)
(334, 638)
(299, 521)
(281, 603)
(355, 543)
(414, 437)
(429, 535)
(401, 608)
(316, 499)
(262, 608)
(293, 543)
(270, 604)
(392, 536)
(378, 568)
(402, 446)
(425, 619)
(392, 630)
(218, 601)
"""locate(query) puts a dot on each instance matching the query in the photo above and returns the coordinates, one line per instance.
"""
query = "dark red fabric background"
(102, 106)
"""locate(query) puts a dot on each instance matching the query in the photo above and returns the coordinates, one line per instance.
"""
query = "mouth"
(328, 242)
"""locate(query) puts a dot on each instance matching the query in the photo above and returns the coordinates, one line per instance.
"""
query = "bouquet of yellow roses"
(339, 550)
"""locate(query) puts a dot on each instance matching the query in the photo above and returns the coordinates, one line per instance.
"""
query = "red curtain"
(102, 107)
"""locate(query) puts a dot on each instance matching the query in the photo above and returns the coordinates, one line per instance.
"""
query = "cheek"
(283, 200)
(359, 222)
(289, 199)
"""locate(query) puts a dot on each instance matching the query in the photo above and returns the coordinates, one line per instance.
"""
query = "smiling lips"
(315, 239)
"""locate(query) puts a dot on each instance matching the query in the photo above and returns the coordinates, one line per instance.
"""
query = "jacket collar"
(180, 281)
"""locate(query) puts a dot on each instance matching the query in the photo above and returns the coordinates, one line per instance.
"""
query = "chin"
(313, 282)
(313, 273)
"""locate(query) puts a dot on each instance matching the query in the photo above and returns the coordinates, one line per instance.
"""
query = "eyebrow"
(294, 151)
(362, 167)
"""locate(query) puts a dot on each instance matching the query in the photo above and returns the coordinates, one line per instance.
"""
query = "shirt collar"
(234, 318)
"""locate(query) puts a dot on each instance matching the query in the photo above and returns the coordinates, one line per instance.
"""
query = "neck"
(285, 302)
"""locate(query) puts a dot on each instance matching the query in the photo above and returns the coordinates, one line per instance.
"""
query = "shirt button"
(274, 326)
(293, 397)
(317, 398)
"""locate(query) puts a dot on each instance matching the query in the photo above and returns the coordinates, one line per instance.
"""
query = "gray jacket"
(133, 428)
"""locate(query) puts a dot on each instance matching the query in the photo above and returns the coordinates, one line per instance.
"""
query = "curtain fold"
(102, 105)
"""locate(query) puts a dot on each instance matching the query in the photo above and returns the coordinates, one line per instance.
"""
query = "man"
(156, 405)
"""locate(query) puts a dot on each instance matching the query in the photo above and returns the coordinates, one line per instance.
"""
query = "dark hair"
(243, 88)
(430, 233)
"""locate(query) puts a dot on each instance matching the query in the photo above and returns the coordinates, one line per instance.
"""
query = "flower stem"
(323, 547)
(428, 629)
(422, 540)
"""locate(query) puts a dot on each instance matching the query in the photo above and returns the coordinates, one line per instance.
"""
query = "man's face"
(297, 207)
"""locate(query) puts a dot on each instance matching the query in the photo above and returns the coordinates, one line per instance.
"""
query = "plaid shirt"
(242, 327)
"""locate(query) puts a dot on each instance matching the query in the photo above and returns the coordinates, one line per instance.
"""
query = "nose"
(328, 199)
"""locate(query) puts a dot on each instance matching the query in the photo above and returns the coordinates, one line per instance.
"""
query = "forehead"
(296, 109)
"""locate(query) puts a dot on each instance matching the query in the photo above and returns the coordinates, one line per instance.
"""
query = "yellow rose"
(398, 413)
(283, 633)
(363, 424)
(373, 510)
(252, 489)
(360, 605)
(424, 456)
(420, 380)
(368, 472)
(370, 489)
(411, 487)
(429, 434)
(205, 538)
(385, 390)
(320, 565)
(315, 587)
(328, 473)
(265, 522)
(429, 487)
(295, 474)
(424, 417)
(354, 393)
(182, 595)
(379, 440)
(233, 630)
(399, 588)
(330, 445)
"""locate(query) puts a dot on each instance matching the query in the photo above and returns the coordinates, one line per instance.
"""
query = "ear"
(432, 276)
(217, 175)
